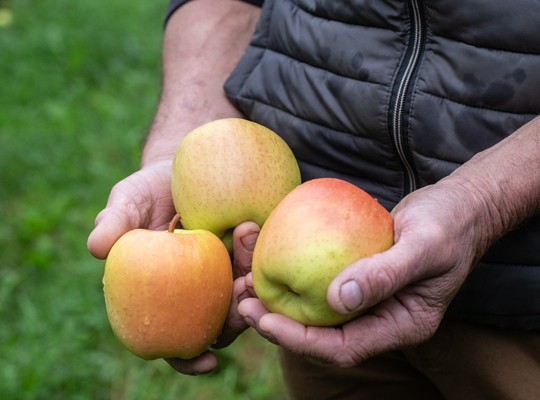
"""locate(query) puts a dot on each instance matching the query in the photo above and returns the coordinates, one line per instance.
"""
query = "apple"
(229, 171)
(167, 293)
(316, 231)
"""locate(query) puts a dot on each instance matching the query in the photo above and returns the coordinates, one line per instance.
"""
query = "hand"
(404, 291)
(143, 200)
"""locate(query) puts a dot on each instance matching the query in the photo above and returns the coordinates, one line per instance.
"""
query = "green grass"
(79, 82)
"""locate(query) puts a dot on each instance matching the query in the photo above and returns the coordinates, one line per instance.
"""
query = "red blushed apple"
(316, 231)
(167, 293)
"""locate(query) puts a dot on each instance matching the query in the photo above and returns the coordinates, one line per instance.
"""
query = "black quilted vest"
(394, 95)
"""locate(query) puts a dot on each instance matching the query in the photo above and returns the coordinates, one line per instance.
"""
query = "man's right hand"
(143, 200)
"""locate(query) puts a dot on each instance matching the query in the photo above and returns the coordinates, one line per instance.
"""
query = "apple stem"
(173, 223)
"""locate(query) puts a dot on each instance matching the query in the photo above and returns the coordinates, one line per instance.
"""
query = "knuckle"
(383, 282)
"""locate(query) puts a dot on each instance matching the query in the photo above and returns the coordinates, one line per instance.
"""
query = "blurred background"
(79, 82)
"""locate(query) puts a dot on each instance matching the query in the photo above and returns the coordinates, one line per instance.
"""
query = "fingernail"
(248, 241)
(351, 296)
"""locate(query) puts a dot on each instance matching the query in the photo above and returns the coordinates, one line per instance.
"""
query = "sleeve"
(175, 4)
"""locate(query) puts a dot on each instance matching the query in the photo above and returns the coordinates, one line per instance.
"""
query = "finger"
(235, 323)
(111, 223)
(373, 279)
(244, 238)
(199, 365)
(249, 285)
(389, 326)
(252, 310)
(320, 343)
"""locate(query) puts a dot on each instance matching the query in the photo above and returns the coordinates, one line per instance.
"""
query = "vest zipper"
(402, 90)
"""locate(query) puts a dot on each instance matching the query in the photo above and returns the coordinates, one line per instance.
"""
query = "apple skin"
(316, 231)
(229, 171)
(167, 293)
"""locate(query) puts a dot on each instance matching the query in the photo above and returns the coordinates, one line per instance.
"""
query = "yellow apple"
(316, 231)
(167, 293)
(229, 171)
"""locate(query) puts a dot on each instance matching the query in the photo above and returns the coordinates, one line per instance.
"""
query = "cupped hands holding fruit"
(331, 284)
(392, 299)
(228, 172)
(168, 292)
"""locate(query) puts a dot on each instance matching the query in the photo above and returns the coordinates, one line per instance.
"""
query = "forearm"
(203, 41)
(503, 182)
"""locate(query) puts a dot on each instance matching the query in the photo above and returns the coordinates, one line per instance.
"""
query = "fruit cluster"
(168, 293)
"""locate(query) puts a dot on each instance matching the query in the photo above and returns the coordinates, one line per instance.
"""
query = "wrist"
(477, 210)
(501, 185)
(171, 126)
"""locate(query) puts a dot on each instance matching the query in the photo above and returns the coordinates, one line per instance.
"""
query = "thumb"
(111, 223)
(374, 279)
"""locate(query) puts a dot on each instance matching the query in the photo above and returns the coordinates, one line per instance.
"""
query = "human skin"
(196, 62)
(441, 232)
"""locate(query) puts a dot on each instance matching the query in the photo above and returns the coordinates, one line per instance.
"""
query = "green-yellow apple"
(167, 293)
(316, 231)
(229, 171)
